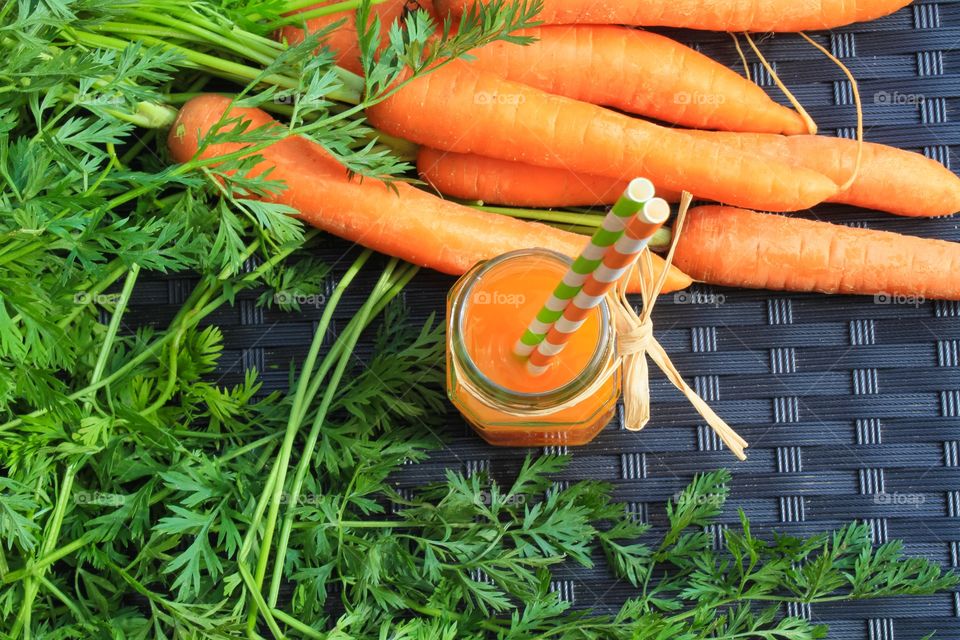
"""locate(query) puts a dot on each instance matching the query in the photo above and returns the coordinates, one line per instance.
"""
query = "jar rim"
(498, 393)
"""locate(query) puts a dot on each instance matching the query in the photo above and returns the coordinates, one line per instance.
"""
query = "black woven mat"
(851, 405)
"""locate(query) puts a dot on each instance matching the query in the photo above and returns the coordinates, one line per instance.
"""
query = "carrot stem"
(403, 149)
(546, 215)
(350, 92)
(293, 425)
(243, 49)
(572, 228)
(251, 39)
(143, 30)
(295, 16)
(583, 223)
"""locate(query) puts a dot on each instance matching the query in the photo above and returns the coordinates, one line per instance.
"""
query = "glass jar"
(487, 311)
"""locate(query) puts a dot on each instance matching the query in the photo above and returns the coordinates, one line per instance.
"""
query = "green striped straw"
(639, 191)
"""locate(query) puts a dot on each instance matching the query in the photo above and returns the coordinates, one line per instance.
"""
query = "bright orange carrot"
(635, 71)
(464, 109)
(515, 184)
(639, 72)
(713, 15)
(890, 179)
(738, 248)
(406, 222)
(342, 41)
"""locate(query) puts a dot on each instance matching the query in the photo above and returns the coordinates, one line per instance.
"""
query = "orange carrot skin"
(503, 182)
(639, 72)
(342, 41)
(467, 110)
(712, 15)
(890, 179)
(739, 248)
(407, 223)
(514, 184)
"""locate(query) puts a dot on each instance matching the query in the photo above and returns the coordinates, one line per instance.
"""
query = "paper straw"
(616, 262)
(639, 191)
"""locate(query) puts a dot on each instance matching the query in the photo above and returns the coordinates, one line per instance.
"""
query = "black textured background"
(851, 405)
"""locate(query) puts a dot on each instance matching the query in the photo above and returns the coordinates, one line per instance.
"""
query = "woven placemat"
(851, 404)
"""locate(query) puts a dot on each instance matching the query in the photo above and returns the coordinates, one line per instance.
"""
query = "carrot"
(404, 221)
(515, 184)
(342, 41)
(464, 109)
(890, 179)
(738, 248)
(639, 72)
(635, 71)
(713, 15)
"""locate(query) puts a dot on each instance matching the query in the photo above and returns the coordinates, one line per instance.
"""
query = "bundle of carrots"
(399, 220)
(559, 123)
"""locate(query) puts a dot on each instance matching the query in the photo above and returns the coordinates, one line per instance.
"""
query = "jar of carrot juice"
(488, 309)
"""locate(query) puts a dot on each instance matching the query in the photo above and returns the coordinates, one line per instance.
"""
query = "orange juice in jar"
(488, 309)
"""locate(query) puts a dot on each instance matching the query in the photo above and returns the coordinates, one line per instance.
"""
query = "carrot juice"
(488, 309)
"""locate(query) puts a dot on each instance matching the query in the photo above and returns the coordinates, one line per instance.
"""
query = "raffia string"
(743, 58)
(635, 343)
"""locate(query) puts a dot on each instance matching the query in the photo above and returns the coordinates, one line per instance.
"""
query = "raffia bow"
(636, 342)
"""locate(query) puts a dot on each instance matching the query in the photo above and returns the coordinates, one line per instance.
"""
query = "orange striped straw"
(638, 191)
(618, 260)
